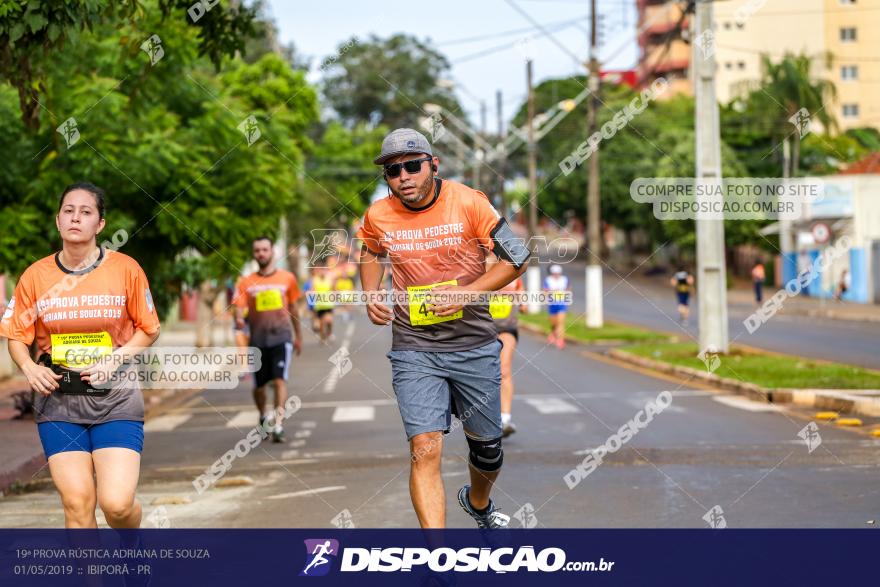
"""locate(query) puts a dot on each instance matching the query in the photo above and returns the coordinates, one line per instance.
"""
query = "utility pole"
(502, 159)
(786, 240)
(711, 266)
(594, 268)
(532, 152)
(533, 273)
(480, 154)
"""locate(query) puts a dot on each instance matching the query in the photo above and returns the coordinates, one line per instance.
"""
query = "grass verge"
(611, 332)
(764, 369)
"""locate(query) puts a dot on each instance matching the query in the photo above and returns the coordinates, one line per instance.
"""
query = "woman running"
(556, 284)
(505, 313)
(81, 304)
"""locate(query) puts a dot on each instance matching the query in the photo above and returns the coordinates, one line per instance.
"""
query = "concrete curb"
(832, 315)
(863, 402)
(162, 401)
(23, 470)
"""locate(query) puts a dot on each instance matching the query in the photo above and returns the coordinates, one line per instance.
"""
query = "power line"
(497, 48)
(507, 33)
(555, 41)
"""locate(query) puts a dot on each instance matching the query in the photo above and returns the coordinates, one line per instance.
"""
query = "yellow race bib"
(269, 299)
(80, 350)
(419, 313)
(499, 307)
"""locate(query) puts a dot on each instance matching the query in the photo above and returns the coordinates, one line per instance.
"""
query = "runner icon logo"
(320, 553)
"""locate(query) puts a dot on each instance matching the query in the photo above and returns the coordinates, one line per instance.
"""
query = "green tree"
(657, 142)
(339, 177)
(787, 89)
(164, 141)
(386, 81)
(33, 32)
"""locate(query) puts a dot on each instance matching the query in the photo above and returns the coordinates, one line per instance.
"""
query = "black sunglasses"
(412, 166)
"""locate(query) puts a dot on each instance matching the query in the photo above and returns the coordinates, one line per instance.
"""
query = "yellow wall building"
(744, 29)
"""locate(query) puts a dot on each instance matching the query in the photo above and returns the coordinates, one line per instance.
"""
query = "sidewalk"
(21, 454)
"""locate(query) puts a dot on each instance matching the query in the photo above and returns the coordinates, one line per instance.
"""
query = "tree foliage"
(164, 140)
(386, 81)
(34, 32)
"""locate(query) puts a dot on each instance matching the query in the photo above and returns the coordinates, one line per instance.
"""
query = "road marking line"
(746, 404)
(246, 419)
(307, 492)
(308, 424)
(274, 463)
(296, 443)
(166, 423)
(641, 403)
(341, 355)
(302, 433)
(553, 405)
(354, 414)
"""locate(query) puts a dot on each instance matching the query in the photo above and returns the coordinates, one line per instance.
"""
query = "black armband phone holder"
(71, 383)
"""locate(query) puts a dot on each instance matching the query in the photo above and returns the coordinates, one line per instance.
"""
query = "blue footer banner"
(436, 558)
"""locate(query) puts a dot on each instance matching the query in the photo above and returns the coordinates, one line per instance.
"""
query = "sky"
(506, 35)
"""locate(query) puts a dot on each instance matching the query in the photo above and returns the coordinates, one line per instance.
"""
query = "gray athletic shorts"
(431, 386)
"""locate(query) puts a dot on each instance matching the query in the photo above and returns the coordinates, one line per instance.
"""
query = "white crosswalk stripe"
(744, 403)
(553, 405)
(246, 419)
(354, 414)
(166, 423)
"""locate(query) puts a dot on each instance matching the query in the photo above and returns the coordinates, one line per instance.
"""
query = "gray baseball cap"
(401, 141)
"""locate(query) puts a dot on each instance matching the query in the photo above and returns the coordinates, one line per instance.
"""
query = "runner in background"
(310, 303)
(345, 286)
(322, 286)
(555, 284)
(81, 305)
(758, 277)
(269, 297)
(682, 281)
(505, 314)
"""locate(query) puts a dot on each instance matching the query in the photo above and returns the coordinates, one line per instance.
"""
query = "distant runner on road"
(444, 355)
(269, 295)
(555, 285)
(682, 281)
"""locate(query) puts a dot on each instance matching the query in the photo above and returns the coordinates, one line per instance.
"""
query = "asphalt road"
(345, 458)
(637, 301)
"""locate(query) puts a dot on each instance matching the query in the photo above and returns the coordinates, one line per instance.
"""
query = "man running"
(505, 312)
(444, 356)
(682, 281)
(269, 295)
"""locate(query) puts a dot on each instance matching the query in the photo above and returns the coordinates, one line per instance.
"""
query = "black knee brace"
(486, 455)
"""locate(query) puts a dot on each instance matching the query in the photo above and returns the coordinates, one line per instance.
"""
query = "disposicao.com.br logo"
(442, 560)
(320, 553)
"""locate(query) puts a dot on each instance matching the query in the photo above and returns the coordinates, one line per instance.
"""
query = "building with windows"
(745, 29)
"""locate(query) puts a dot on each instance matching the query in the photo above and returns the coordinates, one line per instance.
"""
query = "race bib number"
(500, 307)
(419, 312)
(269, 299)
(80, 350)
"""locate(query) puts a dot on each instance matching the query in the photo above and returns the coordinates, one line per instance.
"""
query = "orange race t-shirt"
(443, 243)
(267, 299)
(72, 314)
